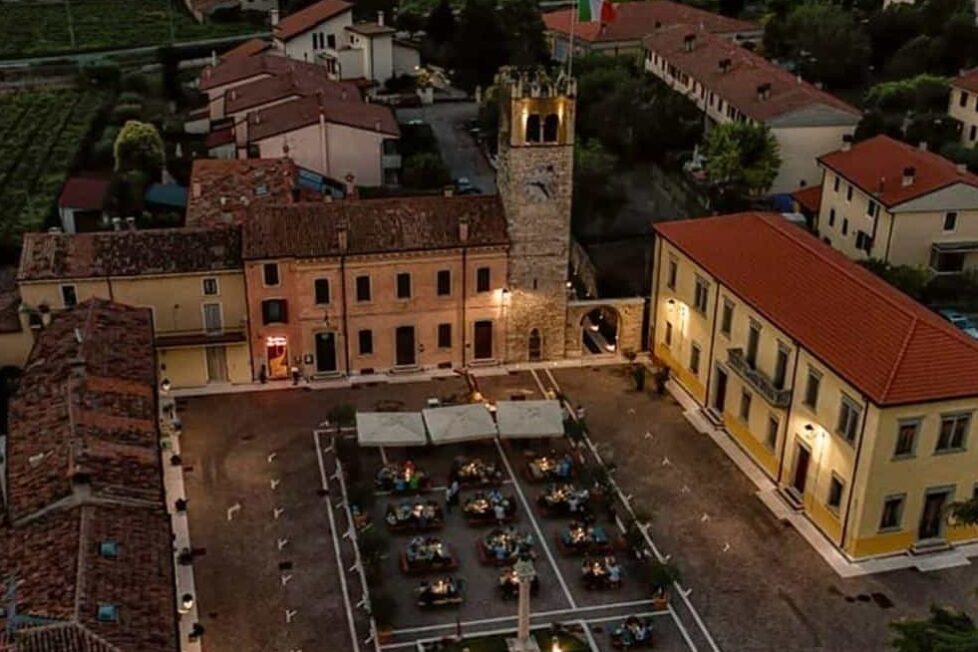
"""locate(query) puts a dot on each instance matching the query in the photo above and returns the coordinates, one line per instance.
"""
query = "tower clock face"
(539, 185)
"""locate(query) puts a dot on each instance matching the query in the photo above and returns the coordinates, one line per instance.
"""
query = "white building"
(325, 33)
(731, 83)
(963, 105)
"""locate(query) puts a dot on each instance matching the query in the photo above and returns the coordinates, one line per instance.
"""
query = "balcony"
(757, 379)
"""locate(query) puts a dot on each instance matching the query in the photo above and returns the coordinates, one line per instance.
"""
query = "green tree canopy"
(138, 147)
(947, 630)
(742, 157)
(598, 194)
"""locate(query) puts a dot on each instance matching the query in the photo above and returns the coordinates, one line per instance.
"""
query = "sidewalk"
(396, 378)
(767, 492)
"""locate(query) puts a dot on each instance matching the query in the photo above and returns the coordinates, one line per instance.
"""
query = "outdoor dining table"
(564, 499)
(550, 467)
(601, 573)
(474, 472)
(503, 546)
(444, 591)
(427, 554)
(509, 584)
(418, 515)
(634, 632)
(579, 538)
(490, 507)
(402, 478)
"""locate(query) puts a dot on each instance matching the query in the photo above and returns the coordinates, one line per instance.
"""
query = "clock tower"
(534, 176)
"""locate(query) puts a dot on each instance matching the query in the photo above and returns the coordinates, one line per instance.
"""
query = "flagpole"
(570, 58)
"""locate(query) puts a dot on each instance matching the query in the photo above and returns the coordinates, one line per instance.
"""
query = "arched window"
(533, 128)
(535, 345)
(550, 125)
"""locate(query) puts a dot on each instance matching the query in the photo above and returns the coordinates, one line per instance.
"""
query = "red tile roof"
(878, 339)
(876, 165)
(221, 191)
(301, 80)
(305, 19)
(374, 226)
(636, 19)
(739, 85)
(239, 69)
(296, 114)
(247, 49)
(219, 138)
(810, 198)
(84, 194)
(968, 80)
(128, 253)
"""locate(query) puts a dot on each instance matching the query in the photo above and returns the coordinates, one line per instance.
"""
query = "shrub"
(135, 82)
(130, 97)
(123, 113)
(661, 575)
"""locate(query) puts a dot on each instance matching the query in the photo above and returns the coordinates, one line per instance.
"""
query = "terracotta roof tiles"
(374, 226)
(247, 49)
(877, 165)
(83, 193)
(305, 19)
(239, 69)
(300, 80)
(878, 339)
(967, 80)
(296, 114)
(222, 190)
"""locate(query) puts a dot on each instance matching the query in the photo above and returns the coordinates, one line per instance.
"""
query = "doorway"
(217, 364)
(720, 390)
(277, 354)
(325, 352)
(483, 340)
(404, 346)
(932, 517)
(802, 458)
(535, 346)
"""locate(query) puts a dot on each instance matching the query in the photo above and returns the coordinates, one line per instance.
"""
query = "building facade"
(843, 399)
(730, 83)
(963, 105)
(887, 200)
(189, 278)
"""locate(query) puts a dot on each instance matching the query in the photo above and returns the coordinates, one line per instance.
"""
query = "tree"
(823, 40)
(947, 630)
(138, 147)
(480, 45)
(424, 170)
(909, 280)
(523, 23)
(742, 157)
(440, 26)
(598, 194)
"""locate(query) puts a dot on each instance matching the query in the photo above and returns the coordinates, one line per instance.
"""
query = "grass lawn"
(29, 28)
(567, 642)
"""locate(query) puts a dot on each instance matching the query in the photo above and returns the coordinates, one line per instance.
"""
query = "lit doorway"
(277, 354)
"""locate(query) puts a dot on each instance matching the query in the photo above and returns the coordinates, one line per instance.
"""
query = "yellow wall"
(878, 475)
(187, 366)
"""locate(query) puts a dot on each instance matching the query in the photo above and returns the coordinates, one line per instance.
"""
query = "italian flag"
(589, 11)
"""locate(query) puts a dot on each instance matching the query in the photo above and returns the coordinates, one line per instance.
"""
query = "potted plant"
(662, 575)
(383, 607)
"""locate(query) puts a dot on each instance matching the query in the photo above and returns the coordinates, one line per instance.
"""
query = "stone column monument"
(523, 641)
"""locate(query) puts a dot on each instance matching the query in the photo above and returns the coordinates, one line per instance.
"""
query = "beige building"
(963, 105)
(887, 200)
(190, 279)
(730, 83)
(857, 401)
(361, 287)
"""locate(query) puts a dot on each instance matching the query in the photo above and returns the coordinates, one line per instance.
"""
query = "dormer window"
(107, 613)
(108, 549)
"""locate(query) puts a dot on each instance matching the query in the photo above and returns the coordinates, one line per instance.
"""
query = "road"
(458, 149)
(85, 57)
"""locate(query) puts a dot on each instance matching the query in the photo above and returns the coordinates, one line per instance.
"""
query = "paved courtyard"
(755, 582)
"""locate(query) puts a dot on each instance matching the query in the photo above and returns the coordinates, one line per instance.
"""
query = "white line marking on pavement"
(682, 629)
(536, 526)
(336, 546)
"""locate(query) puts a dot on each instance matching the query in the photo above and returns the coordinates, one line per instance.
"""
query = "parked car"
(960, 320)
(463, 186)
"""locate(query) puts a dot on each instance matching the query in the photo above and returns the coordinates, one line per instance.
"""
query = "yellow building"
(887, 200)
(190, 278)
(854, 399)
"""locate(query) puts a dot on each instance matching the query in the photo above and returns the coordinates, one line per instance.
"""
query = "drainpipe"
(855, 470)
(889, 238)
(713, 339)
(323, 151)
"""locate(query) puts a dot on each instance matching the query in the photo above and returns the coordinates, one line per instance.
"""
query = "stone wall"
(631, 312)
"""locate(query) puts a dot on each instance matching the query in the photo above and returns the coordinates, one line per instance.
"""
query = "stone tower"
(534, 176)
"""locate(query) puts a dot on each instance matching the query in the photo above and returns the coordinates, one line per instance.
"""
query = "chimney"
(380, 18)
(213, 57)
(763, 91)
(342, 236)
(688, 42)
(197, 189)
(131, 223)
(961, 168)
(909, 173)
(273, 17)
(449, 191)
(116, 223)
(724, 65)
(922, 145)
(846, 142)
(463, 229)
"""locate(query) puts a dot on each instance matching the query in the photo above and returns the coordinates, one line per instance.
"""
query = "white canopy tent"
(390, 429)
(458, 423)
(527, 419)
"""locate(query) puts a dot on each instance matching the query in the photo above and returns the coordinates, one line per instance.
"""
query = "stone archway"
(599, 331)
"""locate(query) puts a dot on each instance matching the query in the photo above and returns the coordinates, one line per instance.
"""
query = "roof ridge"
(903, 352)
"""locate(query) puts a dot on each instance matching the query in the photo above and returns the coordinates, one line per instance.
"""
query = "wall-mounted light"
(165, 385)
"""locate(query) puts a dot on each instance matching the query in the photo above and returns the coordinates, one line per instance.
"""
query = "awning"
(955, 247)
(526, 419)
(459, 423)
(390, 429)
